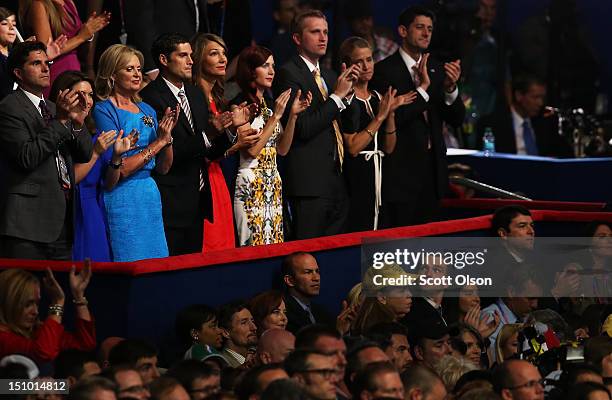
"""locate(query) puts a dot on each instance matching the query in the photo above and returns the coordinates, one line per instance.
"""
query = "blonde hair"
(199, 44)
(451, 368)
(15, 285)
(505, 333)
(112, 60)
(55, 13)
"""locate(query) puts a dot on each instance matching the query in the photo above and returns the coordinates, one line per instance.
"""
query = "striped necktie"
(187, 111)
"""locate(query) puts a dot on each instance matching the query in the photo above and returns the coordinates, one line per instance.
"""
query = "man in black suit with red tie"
(415, 175)
(313, 180)
(185, 194)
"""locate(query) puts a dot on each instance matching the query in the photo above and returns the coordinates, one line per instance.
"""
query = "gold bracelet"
(147, 154)
(82, 302)
(56, 309)
(391, 133)
(371, 133)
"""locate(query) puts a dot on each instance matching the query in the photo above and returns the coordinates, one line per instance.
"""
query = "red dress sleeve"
(48, 340)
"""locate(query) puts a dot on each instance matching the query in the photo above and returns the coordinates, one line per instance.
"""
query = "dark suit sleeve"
(25, 151)
(455, 113)
(316, 119)
(81, 147)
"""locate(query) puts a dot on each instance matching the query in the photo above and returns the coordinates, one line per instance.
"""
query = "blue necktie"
(530, 144)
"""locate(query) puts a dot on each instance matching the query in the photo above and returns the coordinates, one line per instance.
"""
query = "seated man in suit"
(39, 145)
(428, 307)
(302, 278)
(239, 334)
(521, 128)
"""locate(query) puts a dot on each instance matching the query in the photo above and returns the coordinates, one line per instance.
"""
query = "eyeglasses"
(326, 373)
(529, 385)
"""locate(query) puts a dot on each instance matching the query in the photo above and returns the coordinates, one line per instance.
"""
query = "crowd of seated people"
(281, 344)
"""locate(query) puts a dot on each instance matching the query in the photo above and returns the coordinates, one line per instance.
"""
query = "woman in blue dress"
(131, 198)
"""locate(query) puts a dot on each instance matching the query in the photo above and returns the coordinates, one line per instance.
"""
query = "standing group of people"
(149, 183)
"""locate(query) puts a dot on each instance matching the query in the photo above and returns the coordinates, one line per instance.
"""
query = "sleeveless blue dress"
(133, 206)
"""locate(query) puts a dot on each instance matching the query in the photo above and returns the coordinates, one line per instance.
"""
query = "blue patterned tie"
(530, 144)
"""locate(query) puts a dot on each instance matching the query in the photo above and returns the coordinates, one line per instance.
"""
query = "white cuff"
(338, 101)
(423, 94)
(449, 98)
(206, 141)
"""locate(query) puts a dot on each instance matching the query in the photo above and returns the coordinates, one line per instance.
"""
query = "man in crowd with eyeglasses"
(315, 371)
(129, 383)
(518, 380)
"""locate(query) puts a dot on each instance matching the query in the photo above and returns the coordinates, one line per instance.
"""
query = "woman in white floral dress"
(258, 204)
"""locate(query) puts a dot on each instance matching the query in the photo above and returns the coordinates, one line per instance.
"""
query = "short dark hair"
(572, 372)
(289, 263)
(353, 364)
(517, 277)
(297, 361)
(186, 371)
(308, 335)
(66, 80)
(503, 217)
(522, 82)
(165, 44)
(366, 379)
(596, 349)
(163, 385)
(382, 332)
(71, 363)
(129, 351)
(249, 384)
(285, 389)
(417, 375)
(297, 24)
(20, 53)
(86, 387)
(409, 14)
(502, 376)
(192, 317)
(581, 391)
(227, 311)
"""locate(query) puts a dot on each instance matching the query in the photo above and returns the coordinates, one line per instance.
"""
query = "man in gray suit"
(38, 145)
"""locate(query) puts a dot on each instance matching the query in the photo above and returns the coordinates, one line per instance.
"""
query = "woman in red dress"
(22, 332)
(209, 68)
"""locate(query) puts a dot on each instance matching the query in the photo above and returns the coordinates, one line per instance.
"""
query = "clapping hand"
(104, 141)
(70, 106)
(402, 100)
(123, 144)
(346, 317)
(300, 104)
(241, 113)
(452, 71)
(347, 78)
(247, 137)
(168, 122)
(80, 281)
(54, 47)
(94, 24)
(53, 289)
(422, 73)
(478, 322)
(385, 104)
(281, 102)
(222, 121)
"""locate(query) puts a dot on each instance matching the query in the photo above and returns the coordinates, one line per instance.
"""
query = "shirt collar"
(506, 312)
(311, 66)
(516, 118)
(239, 357)
(305, 306)
(433, 303)
(33, 98)
(408, 60)
(175, 90)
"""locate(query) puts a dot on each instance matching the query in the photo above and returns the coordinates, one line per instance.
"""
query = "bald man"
(518, 380)
(274, 346)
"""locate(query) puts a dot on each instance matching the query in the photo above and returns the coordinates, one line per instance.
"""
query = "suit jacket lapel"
(169, 99)
(29, 107)
(308, 78)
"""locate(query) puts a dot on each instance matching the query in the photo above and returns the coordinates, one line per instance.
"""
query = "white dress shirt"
(517, 122)
(333, 96)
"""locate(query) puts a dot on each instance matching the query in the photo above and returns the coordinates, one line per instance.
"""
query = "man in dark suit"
(38, 145)
(302, 279)
(313, 179)
(415, 174)
(186, 198)
(521, 128)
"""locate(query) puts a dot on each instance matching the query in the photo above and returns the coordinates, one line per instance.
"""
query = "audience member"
(428, 307)
(239, 333)
(314, 184)
(129, 383)
(598, 352)
(360, 356)
(199, 379)
(8, 34)
(257, 379)
(302, 278)
(48, 20)
(379, 380)
(360, 17)
(131, 197)
(518, 380)
(258, 203)
(39, 146)
(21, 331)
(588, 391)
(184, 190)
(506, 343)
(430, 342)
(137, 354)
(274, 346)
(209, 69)
(167, 388)
(268, 310)
(93, 388)
(285, 389)
(521, 128)
(74, 365)
(315, 371)
(197, 326)
(465, 309)
(393, 339)
(415, 174)
(420, 382)
(472, 343)
(361, 136)
(451, 368)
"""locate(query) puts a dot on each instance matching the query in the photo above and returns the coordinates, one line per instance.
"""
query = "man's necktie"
(187, 111)
(60, 161)
(531, 147)
(339, 140)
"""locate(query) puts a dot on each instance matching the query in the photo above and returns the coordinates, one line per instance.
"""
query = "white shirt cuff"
(449, 98)
(338, 101)
(423, 94)
(206, 141)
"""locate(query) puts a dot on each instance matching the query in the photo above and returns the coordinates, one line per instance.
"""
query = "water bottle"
(488, 142)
